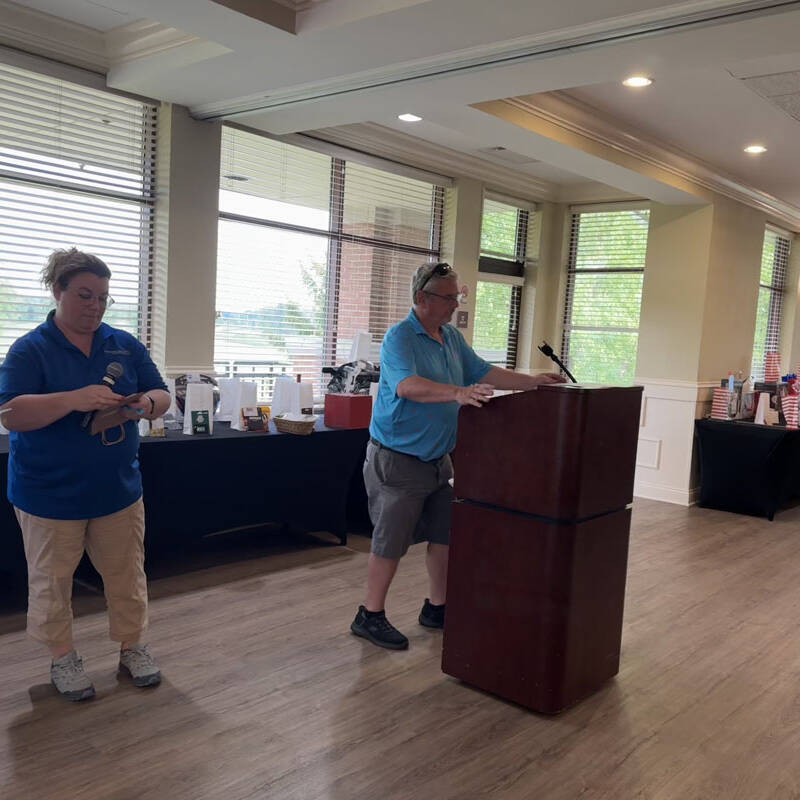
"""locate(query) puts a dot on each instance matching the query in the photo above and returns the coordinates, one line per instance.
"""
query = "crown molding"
(35, 32)
(145, 38)
(576, 117)
(369, 137)
(629, 27)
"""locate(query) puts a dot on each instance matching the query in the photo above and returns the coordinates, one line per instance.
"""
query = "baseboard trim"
(667, 494)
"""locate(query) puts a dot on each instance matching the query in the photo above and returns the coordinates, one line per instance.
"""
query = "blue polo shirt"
(425, 430)
(61, 471)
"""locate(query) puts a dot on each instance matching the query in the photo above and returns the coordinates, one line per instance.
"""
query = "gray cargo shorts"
(409, 500)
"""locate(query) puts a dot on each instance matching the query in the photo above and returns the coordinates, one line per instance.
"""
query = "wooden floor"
(267, 695)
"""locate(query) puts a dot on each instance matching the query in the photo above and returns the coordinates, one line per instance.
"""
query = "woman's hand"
(94, 398)
(138, 409)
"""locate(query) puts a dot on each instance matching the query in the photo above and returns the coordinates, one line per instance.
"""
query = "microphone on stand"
(113, 371)
(548, 351)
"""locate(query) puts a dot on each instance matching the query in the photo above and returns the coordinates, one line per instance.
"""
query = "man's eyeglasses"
(88, 297)
(440, 271)
(451, 298)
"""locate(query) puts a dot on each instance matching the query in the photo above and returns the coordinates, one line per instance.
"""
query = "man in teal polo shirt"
(428, 372)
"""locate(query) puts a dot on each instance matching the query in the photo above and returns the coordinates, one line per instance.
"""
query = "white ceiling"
(365, 61)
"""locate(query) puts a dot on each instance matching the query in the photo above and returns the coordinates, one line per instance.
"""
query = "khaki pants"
(53, 548)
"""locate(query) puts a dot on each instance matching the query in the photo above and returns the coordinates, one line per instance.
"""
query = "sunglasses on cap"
(441, 270)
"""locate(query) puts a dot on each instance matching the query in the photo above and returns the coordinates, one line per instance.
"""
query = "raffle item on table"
(762, 408)
(182, 381)
(157, 428)
(201, 422)
(172, 417)
(245, 395)
(354, 378)
(199, 397)
(255, 418)
(720, 403)
(281, 392)
(300, 424)
(789, 402)
(227, 391)
(772, 368)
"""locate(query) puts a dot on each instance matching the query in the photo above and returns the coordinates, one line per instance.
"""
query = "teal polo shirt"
(61, 471)
(424, 430)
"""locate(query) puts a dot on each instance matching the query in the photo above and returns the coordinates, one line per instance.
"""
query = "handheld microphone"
(113, 371)
(548, 351)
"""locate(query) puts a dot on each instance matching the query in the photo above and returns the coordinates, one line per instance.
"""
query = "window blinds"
(312, 249)
(604, 294)
(771, 290)
(76, 169)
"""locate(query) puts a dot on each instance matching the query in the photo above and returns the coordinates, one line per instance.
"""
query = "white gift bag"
(361, 348)
(227, 398)
(244, 394)
(281, 395)
(199, 397)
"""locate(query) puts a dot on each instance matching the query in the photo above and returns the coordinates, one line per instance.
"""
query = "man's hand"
(549, 377)
(474, 395)
(94, 398)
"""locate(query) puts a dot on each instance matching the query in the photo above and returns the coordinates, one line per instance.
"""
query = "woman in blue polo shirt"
(71, 490)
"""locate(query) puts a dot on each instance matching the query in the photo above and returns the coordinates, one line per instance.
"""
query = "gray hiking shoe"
(137, 662)
(68, 677)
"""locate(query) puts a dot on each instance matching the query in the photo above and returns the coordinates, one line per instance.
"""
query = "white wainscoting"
(666, 461)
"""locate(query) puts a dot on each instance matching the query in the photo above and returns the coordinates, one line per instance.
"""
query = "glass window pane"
(493, 308)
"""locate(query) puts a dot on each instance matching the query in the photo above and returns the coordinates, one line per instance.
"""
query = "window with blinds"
(312, 250)
(771, 291)
(504, 235)
(605, 270)
(76, 170)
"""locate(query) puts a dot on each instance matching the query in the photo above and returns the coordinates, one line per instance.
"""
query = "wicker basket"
(298, 427)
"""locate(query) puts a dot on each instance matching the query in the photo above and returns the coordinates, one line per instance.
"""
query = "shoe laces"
(383, 624)
(139, 655)
(72, 668)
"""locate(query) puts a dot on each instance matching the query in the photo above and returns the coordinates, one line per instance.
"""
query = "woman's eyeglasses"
(88, 298)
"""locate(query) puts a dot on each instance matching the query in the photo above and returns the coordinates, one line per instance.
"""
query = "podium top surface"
(587, 387)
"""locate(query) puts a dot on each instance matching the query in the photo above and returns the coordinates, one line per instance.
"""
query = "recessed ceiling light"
(409, 117)
(637, 81)
(755, 149)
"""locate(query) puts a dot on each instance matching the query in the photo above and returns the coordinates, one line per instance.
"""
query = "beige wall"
(729, 316)
(790, 319)
(461, 240)
(187, 213)
(673, 292)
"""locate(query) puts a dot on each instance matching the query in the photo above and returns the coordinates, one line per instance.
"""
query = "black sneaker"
(378, 630)
(431, 616)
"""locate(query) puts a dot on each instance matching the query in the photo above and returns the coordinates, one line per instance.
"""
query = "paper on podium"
(245, 394)
(199, 397)
(103, 420)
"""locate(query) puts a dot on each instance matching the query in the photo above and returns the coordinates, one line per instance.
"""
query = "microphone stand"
(548, 351)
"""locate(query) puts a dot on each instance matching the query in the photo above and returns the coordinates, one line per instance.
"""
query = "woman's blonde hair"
(62, 265)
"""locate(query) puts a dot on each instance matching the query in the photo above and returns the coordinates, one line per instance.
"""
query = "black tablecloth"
(196, 485)
(747, 468)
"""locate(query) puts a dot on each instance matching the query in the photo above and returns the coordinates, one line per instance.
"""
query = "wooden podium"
(539, 542)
